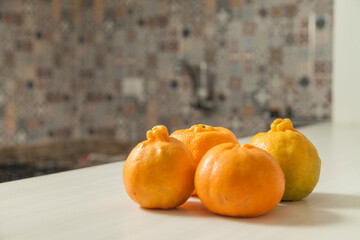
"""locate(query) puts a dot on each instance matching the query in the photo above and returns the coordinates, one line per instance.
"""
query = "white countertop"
(91, 203)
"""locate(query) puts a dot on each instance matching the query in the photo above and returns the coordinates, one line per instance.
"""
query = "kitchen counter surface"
(91, 203)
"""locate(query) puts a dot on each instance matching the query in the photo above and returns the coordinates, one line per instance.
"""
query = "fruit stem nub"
(281, 125)
(158, 132)
(201, 128)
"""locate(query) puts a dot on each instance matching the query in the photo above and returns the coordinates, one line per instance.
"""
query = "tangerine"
(201, 138)
(239, 180)
(296, 155)
(159, 172)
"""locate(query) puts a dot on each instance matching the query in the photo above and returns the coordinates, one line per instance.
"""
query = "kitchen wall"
(73, 69)
(346, 82)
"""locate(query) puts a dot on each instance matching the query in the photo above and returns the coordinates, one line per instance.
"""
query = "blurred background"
(82, 80)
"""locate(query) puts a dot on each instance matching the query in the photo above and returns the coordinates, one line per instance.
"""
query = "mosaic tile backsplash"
(73, 69)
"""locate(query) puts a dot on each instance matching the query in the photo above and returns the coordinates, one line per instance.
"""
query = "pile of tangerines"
(230, 179)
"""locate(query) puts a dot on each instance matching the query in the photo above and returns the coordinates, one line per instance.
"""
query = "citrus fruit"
(296, 155)
(201, 138)
(159, 172)
(239, 180)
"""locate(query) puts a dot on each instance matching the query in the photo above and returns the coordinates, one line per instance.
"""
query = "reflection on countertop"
(56, 156)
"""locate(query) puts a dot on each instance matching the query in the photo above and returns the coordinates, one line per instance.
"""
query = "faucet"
(202, 84)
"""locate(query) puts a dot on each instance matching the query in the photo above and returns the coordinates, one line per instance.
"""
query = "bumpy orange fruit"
(297, 156)
(159, 172)
(201, 138)
(239, 180)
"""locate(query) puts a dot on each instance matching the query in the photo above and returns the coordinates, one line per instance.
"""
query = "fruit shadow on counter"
(312, 211)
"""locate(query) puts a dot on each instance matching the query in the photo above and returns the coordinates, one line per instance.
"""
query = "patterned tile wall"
(103, 68)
